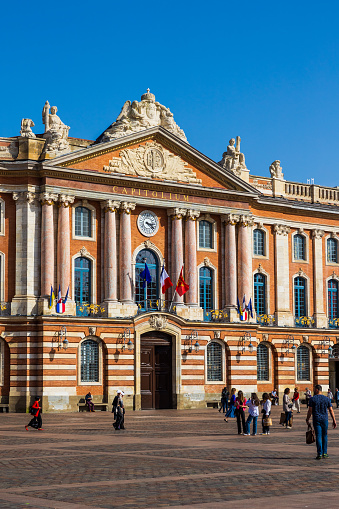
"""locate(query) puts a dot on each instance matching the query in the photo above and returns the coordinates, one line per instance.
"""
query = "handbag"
(267, 421)
(310, 435)
(282, 418)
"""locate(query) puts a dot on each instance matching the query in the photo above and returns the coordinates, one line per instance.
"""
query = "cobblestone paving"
(164, 458)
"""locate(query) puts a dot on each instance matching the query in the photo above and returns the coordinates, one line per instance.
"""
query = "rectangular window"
(205, 235)
(262, 363)
(214, 362)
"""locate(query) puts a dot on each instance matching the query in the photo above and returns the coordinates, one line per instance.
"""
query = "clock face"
(148, 223)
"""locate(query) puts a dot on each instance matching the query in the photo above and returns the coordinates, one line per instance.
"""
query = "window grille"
(260, 294)
(206, 288)
(262, 363)
(299, 297)
(82, 280)
(83, 222)
(214, 362)
(303, 363)
(332, 299)
(299, 247)
(332, 251)
(259, 242)
(205, 234)
(148, 296)
(89, 361)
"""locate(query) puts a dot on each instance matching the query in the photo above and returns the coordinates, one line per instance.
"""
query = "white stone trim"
(209, 219)
(2, 217)
(152, 247)
(259, 226)
(223, 362)
(86, 254)
(100, 343)
(307, 293)
(207, 263)
(307, 241)
(2, 276)
(84, 203)
(335, 237)
(267, 288)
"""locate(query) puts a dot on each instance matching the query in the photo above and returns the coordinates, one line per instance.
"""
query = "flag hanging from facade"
(250, 308)
(182, 287)
(66, 297)
(165, 280)
(243, 313)
(60, 307)
(145, 276)
(51, 298)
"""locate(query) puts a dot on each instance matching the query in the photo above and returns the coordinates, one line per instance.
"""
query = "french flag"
(165, 280)
(60, 307)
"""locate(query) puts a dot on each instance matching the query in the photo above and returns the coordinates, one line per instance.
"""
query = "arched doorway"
(156, 371)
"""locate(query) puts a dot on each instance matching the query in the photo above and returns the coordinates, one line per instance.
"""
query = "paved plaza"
(168, 458)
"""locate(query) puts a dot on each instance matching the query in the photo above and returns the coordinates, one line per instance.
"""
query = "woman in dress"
(240, 405)
(287, 408)
(231, 411)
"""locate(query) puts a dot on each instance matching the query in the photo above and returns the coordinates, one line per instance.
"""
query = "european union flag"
(145, 276)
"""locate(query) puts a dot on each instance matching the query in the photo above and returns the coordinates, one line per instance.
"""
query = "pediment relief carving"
(154, 161)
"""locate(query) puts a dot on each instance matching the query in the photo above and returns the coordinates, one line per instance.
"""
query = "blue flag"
(145, 276)
(250, 308)
(238, 307)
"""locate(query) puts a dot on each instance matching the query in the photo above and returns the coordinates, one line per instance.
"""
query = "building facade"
(86, 216)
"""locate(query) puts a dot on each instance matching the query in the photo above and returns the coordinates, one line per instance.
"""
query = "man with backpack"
(224, 400)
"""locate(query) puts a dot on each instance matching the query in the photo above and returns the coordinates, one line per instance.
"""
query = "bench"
(212, 404)
(83, 407)
(4, 407)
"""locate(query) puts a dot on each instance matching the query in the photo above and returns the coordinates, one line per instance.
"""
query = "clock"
(148, 223)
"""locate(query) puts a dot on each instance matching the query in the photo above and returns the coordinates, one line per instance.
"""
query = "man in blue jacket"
(319, 406)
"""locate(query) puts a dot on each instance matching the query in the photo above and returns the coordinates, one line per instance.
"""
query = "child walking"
(266, 411)
(253, 408)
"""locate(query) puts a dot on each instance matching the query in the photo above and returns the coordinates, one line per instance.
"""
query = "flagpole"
(182, 268)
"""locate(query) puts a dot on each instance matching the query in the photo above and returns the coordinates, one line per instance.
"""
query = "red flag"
(182, 287)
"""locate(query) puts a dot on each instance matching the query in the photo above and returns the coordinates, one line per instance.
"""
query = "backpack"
(225, 393)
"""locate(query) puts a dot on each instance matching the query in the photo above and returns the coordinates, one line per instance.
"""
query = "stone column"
(47, 243)
(245, 258)
(191, 296)
(126, 276)
(110, 250)
(231, 265)
(283, 314)
(177, 248)
(64, 244)
(318, 281)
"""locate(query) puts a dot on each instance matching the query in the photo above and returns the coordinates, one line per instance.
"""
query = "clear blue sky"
(267, 71)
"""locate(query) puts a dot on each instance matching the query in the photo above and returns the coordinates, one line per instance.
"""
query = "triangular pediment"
(156, 154)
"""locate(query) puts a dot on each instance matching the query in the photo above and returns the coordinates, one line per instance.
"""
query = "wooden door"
(156, 371)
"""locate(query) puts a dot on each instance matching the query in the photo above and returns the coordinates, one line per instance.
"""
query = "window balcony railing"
(333, 323)
(215, 315)
(5, 308)
(266, 320)
(304, 321)
(165, 306)
(91, 310)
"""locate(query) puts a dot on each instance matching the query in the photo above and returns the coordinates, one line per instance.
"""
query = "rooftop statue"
(276, 170)
(26, 128)
(137, 116)
(233, 160)
(56, 132)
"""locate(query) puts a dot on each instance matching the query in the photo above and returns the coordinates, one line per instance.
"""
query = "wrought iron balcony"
(5, 308)
(266, 320)
(333, 323)
(304, 321)
(91, 310)
(215, 315)
(165, 306)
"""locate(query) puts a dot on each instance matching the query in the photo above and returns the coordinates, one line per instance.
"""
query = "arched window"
(303, 363)
(214, 362)
(262, 363)
(82, 282)
(332, 250)
(83, 222)
(299, 247)
(299, 297)
(260, 294)
(147, 294)
(89, 361)
(332, 299)
(205, 234)
(259, 242)
(206, 290)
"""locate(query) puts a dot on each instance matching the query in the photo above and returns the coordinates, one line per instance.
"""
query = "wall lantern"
(326, 342)
(193, 336)
(290, 344)
(62, 339)
(126, 336)
(246, 337)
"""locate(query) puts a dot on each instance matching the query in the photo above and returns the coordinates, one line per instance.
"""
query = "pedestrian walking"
(36, 421)
(119, 411)
(266, 411)
(336, 397)
(319, 406)
(296, 400)
(231, 411)
(329, 394)
(253, 408)
(308, 395)
(224, 400)
(240, 406)
(287, 408)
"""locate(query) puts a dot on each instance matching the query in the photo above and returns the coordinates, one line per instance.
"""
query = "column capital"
(176, 213)
(65, 200)
(246, 220)
(127, 207)
(232, 219)
(48, 198)
(110, 205)
(281, 229)
(27, 196)
(318, 234)
(192, 214)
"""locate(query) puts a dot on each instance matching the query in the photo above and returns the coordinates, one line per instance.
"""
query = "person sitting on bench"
(275, 397)
(89, 402)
